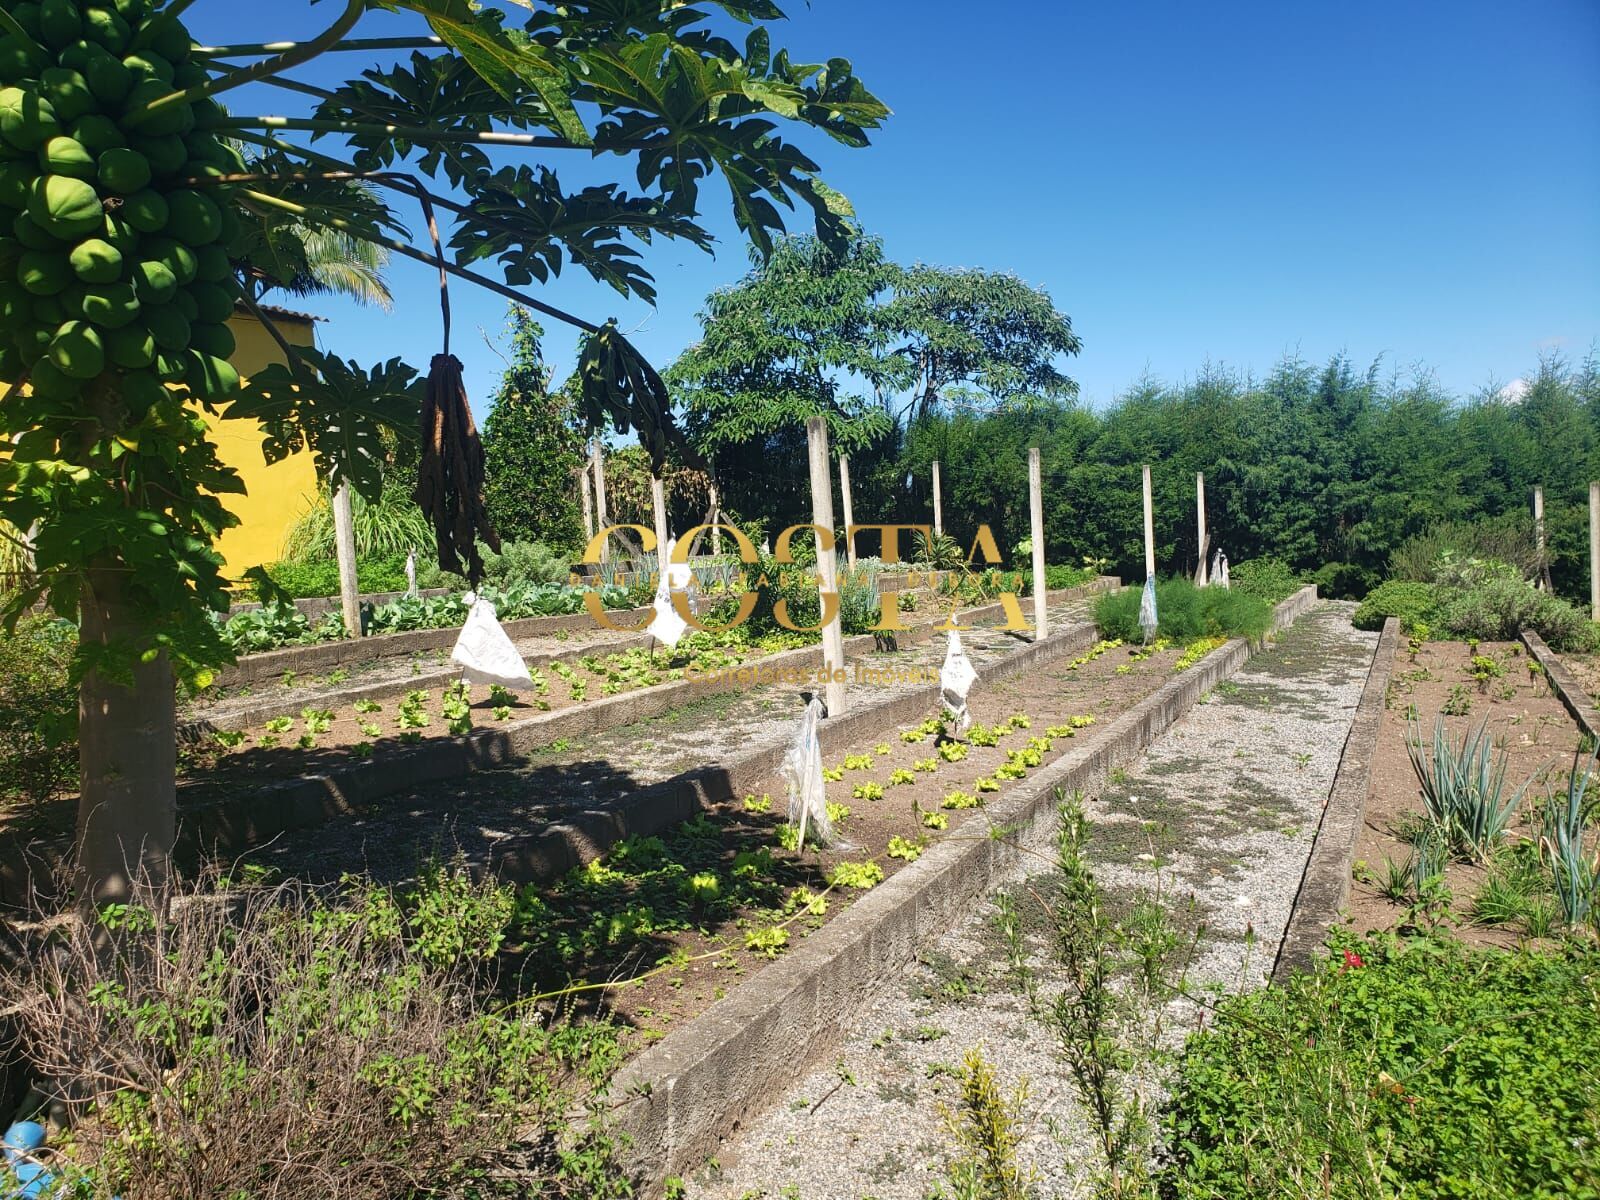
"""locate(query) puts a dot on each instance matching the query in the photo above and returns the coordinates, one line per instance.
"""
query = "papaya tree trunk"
(127, 760)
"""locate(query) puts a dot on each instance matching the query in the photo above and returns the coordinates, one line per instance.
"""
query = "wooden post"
(602, 518)
(716, 520)
(1149, 529)
(586, 497)
(344, 545)
(827, 561)
(1041, 623)
(1201, 575)
(1594, 551)
(1538, 537)
(849, 510)
(938, 510)
(658, 502)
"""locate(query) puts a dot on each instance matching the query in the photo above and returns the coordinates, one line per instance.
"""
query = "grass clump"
(1186, 613)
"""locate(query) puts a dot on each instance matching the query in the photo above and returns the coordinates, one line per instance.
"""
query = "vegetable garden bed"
(1496, 897)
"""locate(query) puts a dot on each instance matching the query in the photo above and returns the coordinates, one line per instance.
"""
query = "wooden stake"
(716, 519)
(602, 518)
(658, 502)
(1149, 529)
(1041, 622)
(1202, 575)
(1538, 537)
(586, 497)
(1594, 551)
(344, 545)
(938, 510)
(849, 510)
(827, 561)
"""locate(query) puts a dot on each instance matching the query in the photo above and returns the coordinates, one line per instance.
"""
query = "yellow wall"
(274, 495)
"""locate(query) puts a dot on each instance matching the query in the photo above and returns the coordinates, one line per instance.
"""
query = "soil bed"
(1436, 680)
(714, 897)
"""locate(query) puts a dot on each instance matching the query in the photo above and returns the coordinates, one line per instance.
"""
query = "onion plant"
(1575, 873)
(1463, 787)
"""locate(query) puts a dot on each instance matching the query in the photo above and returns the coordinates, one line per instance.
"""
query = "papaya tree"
(133, 199)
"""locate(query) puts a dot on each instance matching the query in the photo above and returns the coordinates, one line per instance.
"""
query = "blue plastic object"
(24, 1136)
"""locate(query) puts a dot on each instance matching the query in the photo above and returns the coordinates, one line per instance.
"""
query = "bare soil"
(1522, 714)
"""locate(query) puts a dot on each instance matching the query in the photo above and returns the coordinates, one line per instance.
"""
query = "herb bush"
(1399, 1068)
(38, 710)
(1186, 613)
(1415, 604)
(279, 1041)
(1476, 598)
(1269, 579)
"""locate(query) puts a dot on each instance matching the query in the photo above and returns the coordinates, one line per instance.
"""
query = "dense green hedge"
(1486, 600)
(1185, 612)
(1408, 1069)
(38, 709)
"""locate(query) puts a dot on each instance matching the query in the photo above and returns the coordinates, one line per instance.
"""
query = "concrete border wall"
(1563, 684)
(1325, 884)
(678, 1099)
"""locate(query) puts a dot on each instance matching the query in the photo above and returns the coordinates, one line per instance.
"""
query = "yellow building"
(275, 495)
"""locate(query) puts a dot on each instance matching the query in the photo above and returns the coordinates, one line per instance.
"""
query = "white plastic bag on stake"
(1148, 620)
(667, 627)
(1222, 571)
(956, 678)
(483, 651)
(802, 771)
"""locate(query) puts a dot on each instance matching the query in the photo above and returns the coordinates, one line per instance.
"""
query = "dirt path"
(1224, 808)
(469, 815)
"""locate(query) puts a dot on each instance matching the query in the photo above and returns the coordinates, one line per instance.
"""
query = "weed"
(1459, 704)
(986, 1129)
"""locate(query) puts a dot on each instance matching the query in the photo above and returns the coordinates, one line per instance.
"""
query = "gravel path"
(1224, 807)
(469, 815)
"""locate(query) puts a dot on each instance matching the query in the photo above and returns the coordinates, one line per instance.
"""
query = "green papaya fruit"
(50, 382)
(102, 25)
(67, 92)
(167, 154)
(142, 391)
(171, 368)
(32, 340)
(211, 377)
(147, 65)
(216, 340)
(154, 282)
(108, 79)
(50, 309)
(15, 180)
(26, 119)
(95, 260)
(168, 326)
(64, 206)
(44, 272)
(146, 211)
(179, 259)
(27, 15)
(193, 218)
(97, 133)
(78, 350)
(185, 303)
(67, 156)
(212, 265)
(168, 118)
(60, 23)
(124, 170)
(19, 60)
(171, 41)
(110, 305)
(213, 303)
(29, 233)
(130, 346)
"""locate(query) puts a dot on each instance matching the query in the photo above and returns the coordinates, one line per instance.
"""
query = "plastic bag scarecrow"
(956, 678)
(802, 772)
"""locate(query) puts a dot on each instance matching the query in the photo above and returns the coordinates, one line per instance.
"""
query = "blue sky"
(1220, 183)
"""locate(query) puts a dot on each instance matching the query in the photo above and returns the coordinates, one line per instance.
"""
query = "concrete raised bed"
(676, 1100)
(304, 802)
(1325, 886)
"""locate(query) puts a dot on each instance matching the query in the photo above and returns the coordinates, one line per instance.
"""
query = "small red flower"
(1352, 961)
